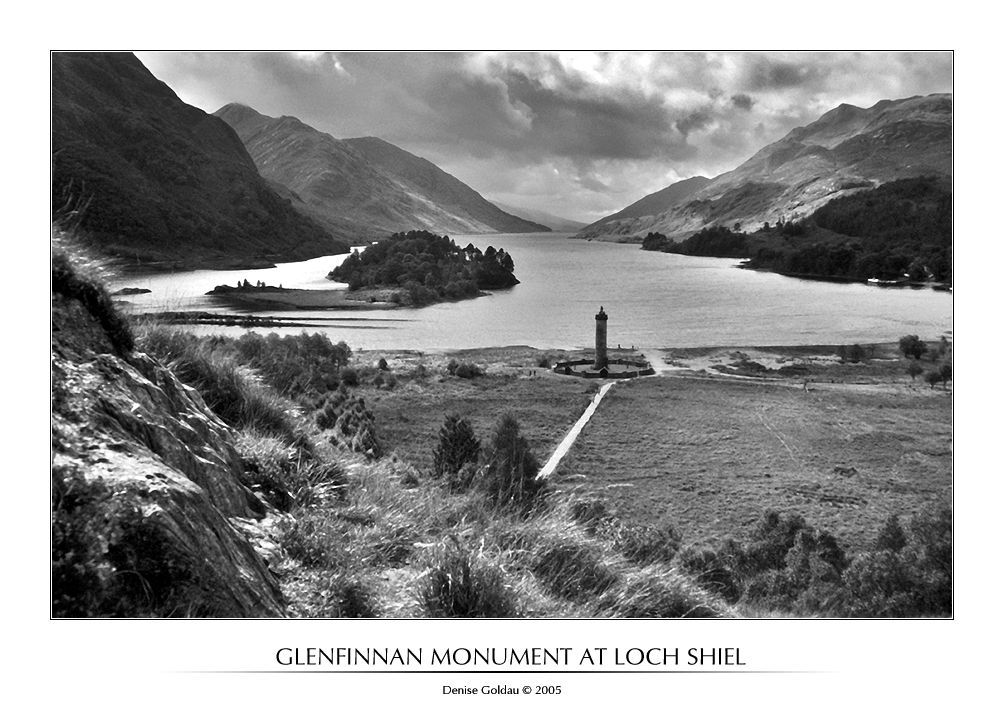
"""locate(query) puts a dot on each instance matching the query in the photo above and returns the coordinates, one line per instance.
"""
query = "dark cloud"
(586, 131)
(743, 102)
(697, 120)
(766, 73)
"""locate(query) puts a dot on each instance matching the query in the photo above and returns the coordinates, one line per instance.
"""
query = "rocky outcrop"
(149, 514)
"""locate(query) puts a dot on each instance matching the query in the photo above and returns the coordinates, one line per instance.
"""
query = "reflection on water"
(653, 300)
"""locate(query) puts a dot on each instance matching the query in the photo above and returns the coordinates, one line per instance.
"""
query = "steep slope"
(555, 222)
(847, 149)
(154, 180)
(364, 188)
(149, 515)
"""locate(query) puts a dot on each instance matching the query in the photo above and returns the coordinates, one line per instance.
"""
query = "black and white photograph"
(638, 362)
(502, 335)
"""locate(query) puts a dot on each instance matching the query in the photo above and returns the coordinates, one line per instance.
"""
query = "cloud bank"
(577, 134)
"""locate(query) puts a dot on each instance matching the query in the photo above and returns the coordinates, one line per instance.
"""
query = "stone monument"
(601, 340)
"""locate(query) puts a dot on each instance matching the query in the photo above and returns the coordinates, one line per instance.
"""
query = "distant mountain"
(847, 149)
(654, 204)
(555, 222)
(154, 180)
(364, 188)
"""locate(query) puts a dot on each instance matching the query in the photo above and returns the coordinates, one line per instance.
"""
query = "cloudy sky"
(579, 135)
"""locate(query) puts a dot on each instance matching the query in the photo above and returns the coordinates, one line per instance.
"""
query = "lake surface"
(653, 300)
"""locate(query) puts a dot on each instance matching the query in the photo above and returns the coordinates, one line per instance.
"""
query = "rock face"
(846, 150)
(157, 181)
(364, 188)
(149, 515)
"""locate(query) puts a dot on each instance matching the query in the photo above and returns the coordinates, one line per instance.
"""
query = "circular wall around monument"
(615, 370)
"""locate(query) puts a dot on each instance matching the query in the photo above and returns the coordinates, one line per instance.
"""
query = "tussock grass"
(654, 592)
(462, 584)
(78, 275)
(232, 390)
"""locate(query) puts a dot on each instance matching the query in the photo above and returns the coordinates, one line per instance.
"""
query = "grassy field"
(409, 417)
(709, 450)
(709, 455)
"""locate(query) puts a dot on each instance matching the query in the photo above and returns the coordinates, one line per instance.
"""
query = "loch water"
(653, 300)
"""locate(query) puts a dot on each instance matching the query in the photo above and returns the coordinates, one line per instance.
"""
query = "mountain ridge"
(365, 188)
(847, 149)
(153, 180)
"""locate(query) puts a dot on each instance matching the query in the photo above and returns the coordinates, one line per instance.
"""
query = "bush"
(912, 346)
(458, 445)
(891, 536)
(354, 426)
(468, 370)
(293, 364)
(510, 479)
(350, 377)
(458, 585)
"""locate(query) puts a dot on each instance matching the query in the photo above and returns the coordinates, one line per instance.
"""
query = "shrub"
(458, 585)
(458, 445)
(912, 346)
(891, 536)
(80, 572)
(350, 377)
(382, 365)
(468, 370)
(293, 364)
(510, 478)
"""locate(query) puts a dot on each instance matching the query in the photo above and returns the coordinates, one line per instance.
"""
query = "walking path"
(569, 439)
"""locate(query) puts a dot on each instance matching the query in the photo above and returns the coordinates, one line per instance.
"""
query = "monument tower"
(601, 340)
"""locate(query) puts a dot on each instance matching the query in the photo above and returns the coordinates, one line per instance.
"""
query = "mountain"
(364, 188)
(846, 150)
(154, 180)
(555, 222)
(654, 204)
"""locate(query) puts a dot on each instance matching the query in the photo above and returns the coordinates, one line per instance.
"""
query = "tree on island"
(428, 267)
